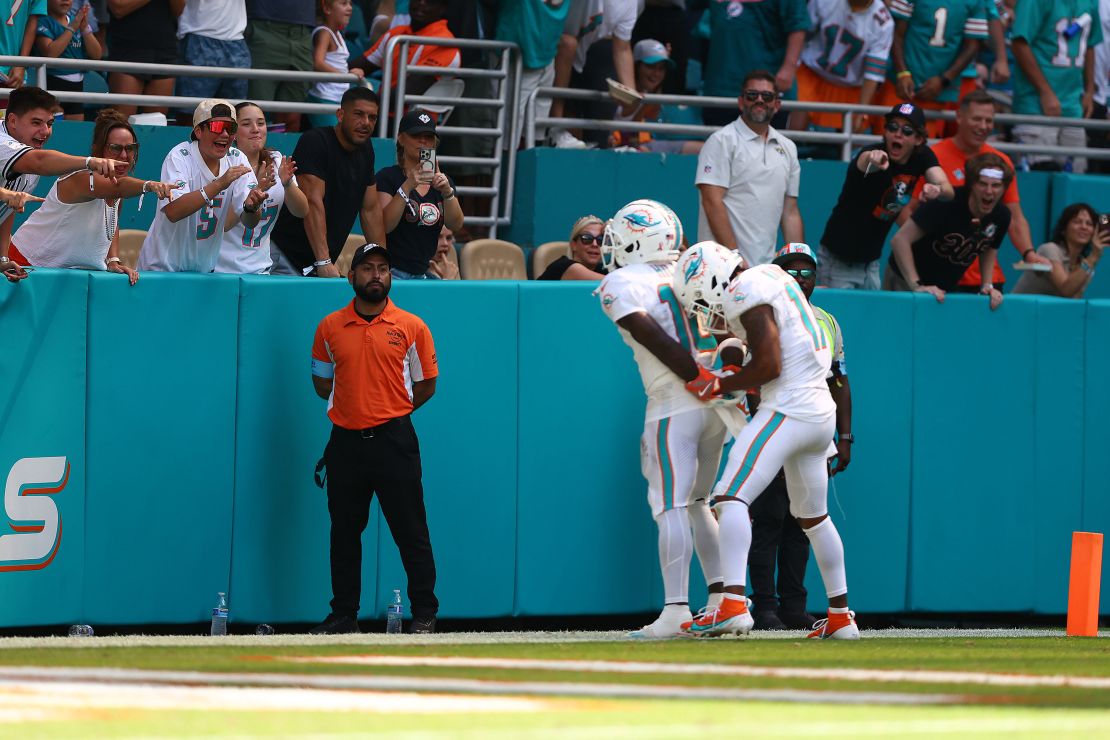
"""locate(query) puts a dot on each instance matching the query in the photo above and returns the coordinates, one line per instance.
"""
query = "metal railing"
(506, 77)
(846, 138)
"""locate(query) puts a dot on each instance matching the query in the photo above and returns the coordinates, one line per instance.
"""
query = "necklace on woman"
(111, 219)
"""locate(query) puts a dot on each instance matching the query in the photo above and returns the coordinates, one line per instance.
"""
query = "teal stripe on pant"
(754, 452)
(666, 468)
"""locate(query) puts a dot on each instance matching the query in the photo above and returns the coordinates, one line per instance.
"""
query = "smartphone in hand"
(426, 169)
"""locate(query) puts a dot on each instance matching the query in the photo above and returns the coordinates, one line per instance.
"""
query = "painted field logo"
(32, 514)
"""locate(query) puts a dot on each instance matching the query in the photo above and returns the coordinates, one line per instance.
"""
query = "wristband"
(847, 437)
(87, 160)
(986, 290)
(449, 197)
(904, 73)
(204, 195)
(112, 260)
(1086, 267)
(321, 263)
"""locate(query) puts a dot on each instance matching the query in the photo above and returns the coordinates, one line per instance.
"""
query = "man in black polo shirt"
(934, 248)
(335, 169)
(878, 185)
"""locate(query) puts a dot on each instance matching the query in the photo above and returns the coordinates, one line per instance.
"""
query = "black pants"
(384, 460)
(775, 533)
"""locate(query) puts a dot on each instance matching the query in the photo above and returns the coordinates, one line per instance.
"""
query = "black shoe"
(767, 620)
(796, 620)
(422, 625)
(336, 624)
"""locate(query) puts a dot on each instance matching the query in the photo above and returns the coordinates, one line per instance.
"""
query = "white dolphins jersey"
(647, 289)
(848, 46)
(800, 391)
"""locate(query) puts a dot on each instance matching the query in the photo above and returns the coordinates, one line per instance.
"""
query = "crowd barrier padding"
(195, 434)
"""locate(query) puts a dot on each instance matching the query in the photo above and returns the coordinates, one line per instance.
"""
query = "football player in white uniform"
(793, 428)
(683, 436)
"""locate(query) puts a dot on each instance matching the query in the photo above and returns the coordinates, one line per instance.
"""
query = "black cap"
(910, 112)
(418, 121)
(365, 251)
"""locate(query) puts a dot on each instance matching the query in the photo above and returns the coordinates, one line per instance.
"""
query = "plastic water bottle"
(80, 630)
(219, 615)
(394, 614)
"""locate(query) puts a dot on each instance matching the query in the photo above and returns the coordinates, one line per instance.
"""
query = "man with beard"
(748, 177)
(335, 169)
(375, 364)
(934, 248)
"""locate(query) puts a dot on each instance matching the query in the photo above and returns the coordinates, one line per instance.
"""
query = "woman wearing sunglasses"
(213, 190)
(584, 261)
(247, 250)
(77, 224)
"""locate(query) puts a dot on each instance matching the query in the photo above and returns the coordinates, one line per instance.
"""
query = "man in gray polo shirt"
(748, 177)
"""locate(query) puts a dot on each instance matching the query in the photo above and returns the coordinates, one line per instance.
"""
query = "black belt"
(368, 432)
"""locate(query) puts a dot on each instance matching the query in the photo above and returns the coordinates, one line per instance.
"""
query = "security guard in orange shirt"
(375, 364)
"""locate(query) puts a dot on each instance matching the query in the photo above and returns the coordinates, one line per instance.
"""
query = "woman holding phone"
(417, 199)
(1078, 241)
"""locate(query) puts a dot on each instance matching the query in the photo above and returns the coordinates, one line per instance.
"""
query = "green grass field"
(573, 685)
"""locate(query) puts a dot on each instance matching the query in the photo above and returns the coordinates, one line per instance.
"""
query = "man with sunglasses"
(215, 188)
(877, 187)
(776, 536)
(748, 177)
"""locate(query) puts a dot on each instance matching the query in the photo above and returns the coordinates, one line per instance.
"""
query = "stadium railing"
(846, 138)
(505, 75)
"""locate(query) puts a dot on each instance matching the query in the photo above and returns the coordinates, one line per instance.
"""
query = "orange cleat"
(836, 627)
(730, 618)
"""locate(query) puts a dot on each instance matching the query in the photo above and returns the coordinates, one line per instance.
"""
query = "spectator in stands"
(442, 266)
(878, 185)
(748, 177)
(143, 31)
(210, 34)
(247, 250)
(974, 124)
(1078, 242)
(665, 21)
(27, 126)
(279, 37)
(213, 190)
(934, 41)
(17, 36)
(335, 169)
(426, 18)
(745, 36)
(67, 34)
(596, 45)
(1054, 46)
(329, 54)
(534, 26)
(1101, 139)
(933, 249)
(584, 262)
(415, 204)
(844, 60)
(77, 225)
(652, 63)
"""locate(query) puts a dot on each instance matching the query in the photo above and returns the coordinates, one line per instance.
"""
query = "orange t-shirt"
(372, 364)
(422, 54)
(952, 161)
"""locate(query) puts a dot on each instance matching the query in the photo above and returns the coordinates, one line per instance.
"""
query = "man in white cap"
(215, 189)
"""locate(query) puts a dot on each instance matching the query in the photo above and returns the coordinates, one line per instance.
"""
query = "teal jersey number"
(690, 334)
(252, 238)
(836, 35)
(206, 227)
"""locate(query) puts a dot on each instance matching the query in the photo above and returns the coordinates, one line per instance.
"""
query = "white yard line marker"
(717, 669)
(13, 677)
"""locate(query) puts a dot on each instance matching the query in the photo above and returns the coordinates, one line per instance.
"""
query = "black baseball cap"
(910, 112)
(417, 121)
(363, 252)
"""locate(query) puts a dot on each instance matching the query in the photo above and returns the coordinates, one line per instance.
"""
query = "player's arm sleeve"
(714, 162)
(422, 356)
(623, 14)
(323, 364)
(376, 53)
(902, 9)
(877, 53)
(619, 298)
(175, 170)
(1096, 36)
(10, 153)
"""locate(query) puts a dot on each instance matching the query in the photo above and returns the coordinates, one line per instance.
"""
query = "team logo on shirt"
(990, 231)
(429, 214)
(707, 169)
(607, 300)
(184, 152)
(179, 185)
(958, 174)
(396, 337)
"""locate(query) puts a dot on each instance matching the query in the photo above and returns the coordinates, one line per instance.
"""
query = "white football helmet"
(642, 231)
(700, 277)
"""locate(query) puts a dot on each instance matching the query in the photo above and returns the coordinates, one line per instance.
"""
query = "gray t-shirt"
(1041, 282)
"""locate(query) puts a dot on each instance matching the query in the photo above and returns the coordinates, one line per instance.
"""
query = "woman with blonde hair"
(584, 260)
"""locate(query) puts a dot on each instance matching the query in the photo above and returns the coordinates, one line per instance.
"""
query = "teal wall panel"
(971, 498)
(42, 415)
(161, 445)
(1058, 401)
(1096, 402)
(585, 537)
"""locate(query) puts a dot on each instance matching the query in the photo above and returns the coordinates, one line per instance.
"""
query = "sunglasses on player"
(765, 95)
(219, 127)
(804, 273)
(906, 129)
(118, 149)
(590, 239)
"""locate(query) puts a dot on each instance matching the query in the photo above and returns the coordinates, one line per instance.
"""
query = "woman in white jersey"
(77, 225)
(214, 188)
(248, 250)
(330, 54)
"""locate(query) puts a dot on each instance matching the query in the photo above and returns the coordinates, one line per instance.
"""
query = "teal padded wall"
(42, 415)
(161, 445)
(1096, 440)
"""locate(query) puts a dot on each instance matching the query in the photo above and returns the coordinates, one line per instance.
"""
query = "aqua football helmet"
(643, 231)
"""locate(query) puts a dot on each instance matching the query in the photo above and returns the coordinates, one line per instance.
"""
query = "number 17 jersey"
(647, 289)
